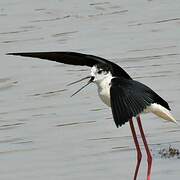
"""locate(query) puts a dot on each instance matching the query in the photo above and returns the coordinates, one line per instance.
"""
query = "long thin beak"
(79, 80)
(90, 81)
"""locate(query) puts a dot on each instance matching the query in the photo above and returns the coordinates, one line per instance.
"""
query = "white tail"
(160, 111)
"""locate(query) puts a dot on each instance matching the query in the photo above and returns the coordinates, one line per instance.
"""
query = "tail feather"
(161, 112)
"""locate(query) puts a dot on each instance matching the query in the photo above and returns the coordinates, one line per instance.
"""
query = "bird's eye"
(100, 71)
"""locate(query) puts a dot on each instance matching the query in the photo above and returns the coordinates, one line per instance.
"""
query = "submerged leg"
(139, 154)
(149, 156)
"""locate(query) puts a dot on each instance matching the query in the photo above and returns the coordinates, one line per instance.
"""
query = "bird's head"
(99, 72)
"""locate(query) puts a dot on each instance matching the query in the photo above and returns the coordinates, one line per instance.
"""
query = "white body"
(103, 82)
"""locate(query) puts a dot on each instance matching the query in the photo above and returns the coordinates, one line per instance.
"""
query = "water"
(46, 134)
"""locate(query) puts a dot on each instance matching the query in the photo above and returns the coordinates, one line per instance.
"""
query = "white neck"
(104, 89)
(104, 82)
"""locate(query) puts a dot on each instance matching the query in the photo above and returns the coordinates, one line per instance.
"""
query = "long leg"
(149, 156)
(139, 154)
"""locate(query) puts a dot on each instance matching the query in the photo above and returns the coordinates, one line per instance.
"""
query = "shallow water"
(46, 134)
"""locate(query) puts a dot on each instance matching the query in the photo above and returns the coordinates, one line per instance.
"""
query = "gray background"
(44, 133)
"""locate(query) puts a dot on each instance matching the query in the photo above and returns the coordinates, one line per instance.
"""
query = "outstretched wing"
(75, 58)
(129, 98)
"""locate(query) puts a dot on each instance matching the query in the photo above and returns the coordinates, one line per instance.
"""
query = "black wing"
(75, 58)
(129, 98)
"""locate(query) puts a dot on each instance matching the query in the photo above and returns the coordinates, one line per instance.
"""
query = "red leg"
(139, 154)
(149, 156)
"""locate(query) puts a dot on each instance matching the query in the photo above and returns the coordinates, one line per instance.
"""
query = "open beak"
(90, 81)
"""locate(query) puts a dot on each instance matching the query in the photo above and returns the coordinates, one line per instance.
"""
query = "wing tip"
(9, 54)
(14, 54)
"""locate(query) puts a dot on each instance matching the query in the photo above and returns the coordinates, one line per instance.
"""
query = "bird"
(126, 97)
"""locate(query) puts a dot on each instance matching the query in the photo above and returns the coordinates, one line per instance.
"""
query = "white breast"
(104, 90)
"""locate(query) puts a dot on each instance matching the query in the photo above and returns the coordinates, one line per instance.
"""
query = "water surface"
(46, 134)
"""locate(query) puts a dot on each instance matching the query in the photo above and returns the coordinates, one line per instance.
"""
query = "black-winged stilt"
(126, 97)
